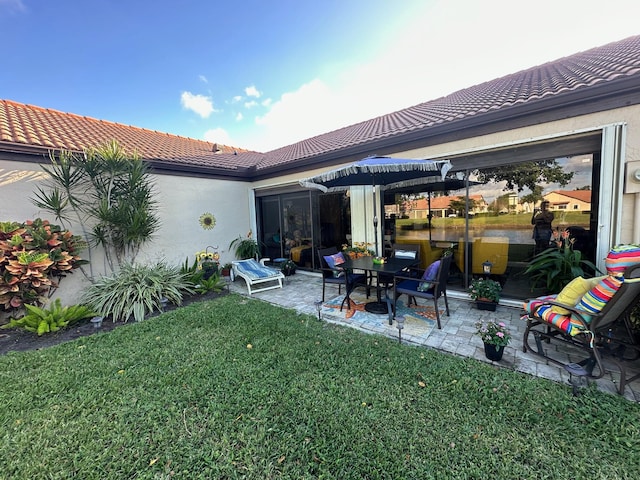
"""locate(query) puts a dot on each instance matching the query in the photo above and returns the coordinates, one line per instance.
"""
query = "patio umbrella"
(376, 171)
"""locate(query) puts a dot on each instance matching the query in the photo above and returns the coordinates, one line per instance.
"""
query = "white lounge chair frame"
(271, 275)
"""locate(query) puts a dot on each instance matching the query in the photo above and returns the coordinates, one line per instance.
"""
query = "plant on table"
(485, 289)
(493, 333)
(555, 267)
(358, 249)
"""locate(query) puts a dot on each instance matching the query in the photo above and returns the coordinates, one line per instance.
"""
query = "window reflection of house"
(573, 200)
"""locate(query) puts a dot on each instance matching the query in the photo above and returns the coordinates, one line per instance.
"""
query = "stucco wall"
(181, 201)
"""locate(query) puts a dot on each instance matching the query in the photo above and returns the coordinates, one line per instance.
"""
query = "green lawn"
(183, 396)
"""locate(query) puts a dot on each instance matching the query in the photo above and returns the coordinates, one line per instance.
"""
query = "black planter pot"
(484, 305)
(288, 271)
(493, 352)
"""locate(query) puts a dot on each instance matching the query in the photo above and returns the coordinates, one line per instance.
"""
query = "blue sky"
(264, 74)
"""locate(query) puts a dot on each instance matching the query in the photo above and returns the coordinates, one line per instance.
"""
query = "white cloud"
(266, 102)
(239, 116)
(203, 79)
(199, 104)
(422, 63)
(250, 104)
(218, 135)
(252, 91)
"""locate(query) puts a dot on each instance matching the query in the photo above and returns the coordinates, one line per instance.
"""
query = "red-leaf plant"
(34, 257)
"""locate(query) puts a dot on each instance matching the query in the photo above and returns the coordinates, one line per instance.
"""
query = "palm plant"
(109, 193)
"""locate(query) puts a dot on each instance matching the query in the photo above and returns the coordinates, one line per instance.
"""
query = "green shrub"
(52, 319)
(137, 290)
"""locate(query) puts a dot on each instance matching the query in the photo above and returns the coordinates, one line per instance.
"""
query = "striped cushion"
(621, 257)
(566, 323)
(595, 299)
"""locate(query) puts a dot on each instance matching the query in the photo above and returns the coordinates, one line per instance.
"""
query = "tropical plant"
(34, 257)
(246, 247)
(137, 290)
(358, 249)
(52, 319)
(555, 267)
(109, 192)
(485, 289)
(493, 333)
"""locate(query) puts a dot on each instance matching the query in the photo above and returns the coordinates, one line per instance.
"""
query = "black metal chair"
(399, 250)
(408, 282)
(337, 276)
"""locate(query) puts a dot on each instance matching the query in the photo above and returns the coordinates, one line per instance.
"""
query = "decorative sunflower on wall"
(207, 221)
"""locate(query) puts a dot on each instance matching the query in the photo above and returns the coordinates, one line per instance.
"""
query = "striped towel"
(255, 270)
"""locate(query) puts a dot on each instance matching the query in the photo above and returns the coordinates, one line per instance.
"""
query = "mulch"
(19, 340)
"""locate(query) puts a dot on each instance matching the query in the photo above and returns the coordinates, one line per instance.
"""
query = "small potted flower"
(208, 262)
(226, 269)
(288, 268)
(495, 336)
(486, 293)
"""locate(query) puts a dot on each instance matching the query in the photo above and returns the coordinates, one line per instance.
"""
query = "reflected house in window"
(570, 200)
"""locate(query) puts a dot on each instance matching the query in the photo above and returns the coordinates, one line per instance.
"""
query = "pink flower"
(500, 334)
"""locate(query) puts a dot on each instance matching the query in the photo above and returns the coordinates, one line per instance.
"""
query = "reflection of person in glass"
(541, 221)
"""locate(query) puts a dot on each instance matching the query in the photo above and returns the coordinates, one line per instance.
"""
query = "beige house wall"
(181, 201)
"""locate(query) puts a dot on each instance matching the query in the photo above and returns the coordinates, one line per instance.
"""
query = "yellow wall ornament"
(207, 221)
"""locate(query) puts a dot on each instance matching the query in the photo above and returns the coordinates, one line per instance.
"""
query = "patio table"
(389, 267)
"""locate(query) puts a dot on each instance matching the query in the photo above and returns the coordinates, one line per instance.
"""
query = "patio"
(302, 290)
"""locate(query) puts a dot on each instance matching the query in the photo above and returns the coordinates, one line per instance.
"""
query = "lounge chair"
(257, 274)
(600, 336)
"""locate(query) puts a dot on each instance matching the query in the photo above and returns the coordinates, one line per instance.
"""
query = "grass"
(236, 388)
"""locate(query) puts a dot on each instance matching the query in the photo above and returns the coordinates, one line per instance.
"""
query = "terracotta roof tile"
(38, 127)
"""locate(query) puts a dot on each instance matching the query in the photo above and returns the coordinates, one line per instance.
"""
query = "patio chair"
(257, 274)
(399, 250)
(597, 335)
(337, 276)
(409, 284)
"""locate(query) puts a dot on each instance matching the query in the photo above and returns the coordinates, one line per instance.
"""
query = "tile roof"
(582, 195)
(29, 125)
(612, 66)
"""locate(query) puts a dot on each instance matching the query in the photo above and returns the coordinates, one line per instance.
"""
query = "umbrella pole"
(375, 220)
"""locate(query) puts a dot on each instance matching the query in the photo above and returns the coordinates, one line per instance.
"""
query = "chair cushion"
(597, 297)
(410, 254)
(566, 323)
(573, 292)
(620, 257)
(429, 276)
(333, 261)
(254, 270)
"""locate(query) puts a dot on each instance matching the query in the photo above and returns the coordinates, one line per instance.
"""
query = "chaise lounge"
(257, 274)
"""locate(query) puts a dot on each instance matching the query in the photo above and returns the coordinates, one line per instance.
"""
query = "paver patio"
(302, 290)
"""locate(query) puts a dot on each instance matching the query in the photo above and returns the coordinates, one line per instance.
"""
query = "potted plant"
(495, 336)
(485, 292)
(358, 249)
(288, 267)
(226, 269)
(555, 267)
(245, 247)
(208, 262)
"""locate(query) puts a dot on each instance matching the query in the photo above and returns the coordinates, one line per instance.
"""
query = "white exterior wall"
(181, 201)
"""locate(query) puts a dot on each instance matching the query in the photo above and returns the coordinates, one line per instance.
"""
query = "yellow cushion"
(573, 292)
